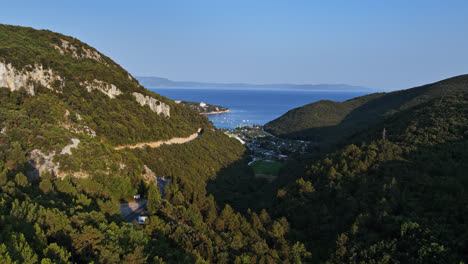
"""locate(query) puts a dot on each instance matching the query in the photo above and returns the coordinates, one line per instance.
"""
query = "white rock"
(155, 105)
(67, 148)
(79, 129)
(45, 163)
(66, 47)
(14, 79)
(42, 162)
(108, 89)
(149, 175)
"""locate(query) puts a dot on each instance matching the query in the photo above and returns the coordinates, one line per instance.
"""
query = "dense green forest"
(385, 181)
(391, 192)
(123, 120)
(327, 122)
(398, 199)
(71, 214)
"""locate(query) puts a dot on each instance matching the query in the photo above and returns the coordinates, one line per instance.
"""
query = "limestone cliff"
(14, 79)
(108, 89)
(155, 105)
(27, 77)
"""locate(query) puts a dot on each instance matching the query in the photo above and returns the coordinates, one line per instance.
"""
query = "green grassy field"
(267, 168)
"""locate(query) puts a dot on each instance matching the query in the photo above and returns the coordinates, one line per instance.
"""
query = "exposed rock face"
(14, 79)
(45, 163)
(155, 105)
(67, 148)
(149, 175)
(42, 162)
(108, 89)
(77, 128)
(76, 53)
(80, 129)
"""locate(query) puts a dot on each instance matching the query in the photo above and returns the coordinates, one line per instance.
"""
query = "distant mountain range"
(158, 82)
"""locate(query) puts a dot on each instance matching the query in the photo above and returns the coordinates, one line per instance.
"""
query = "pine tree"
(21, 180)
(16, 156)
(154, 199)
(3, 177)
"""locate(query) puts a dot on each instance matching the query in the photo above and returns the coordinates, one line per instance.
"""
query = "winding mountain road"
(130, 211)
(156, 144)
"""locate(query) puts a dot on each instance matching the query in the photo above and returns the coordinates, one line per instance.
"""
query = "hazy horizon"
(243, 83)
(384, 46)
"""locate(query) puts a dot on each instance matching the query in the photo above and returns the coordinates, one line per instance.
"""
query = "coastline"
(216, 112)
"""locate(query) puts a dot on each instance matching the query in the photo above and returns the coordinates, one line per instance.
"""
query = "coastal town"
(264, 146)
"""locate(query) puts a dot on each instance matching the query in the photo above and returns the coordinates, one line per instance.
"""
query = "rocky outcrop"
(155, 105)
(149, 175)
(42, 162)
(82, 53)
(67, 148)
(14, 79)
(77, 128)
(108, 89)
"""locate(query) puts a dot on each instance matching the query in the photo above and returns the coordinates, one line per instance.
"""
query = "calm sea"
(249, 107)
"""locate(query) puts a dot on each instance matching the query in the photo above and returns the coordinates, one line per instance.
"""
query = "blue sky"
(380, 44)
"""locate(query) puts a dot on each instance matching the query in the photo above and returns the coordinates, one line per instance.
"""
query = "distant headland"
(158, 82)
(203, 108)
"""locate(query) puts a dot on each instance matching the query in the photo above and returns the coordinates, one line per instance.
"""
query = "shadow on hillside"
(234, 184)
(430, 189)
(370, 113)
(237, 185)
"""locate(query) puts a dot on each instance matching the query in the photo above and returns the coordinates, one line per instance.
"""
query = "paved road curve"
(131, 211)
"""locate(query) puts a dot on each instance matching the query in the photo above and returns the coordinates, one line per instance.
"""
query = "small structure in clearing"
(143, 220)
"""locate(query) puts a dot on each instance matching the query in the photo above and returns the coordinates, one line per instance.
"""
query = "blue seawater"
(249, 107)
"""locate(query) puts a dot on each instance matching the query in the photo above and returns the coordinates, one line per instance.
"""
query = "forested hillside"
(328, 122)
(63, 108)
(398, 198)
(392, 191)
(89, 84)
